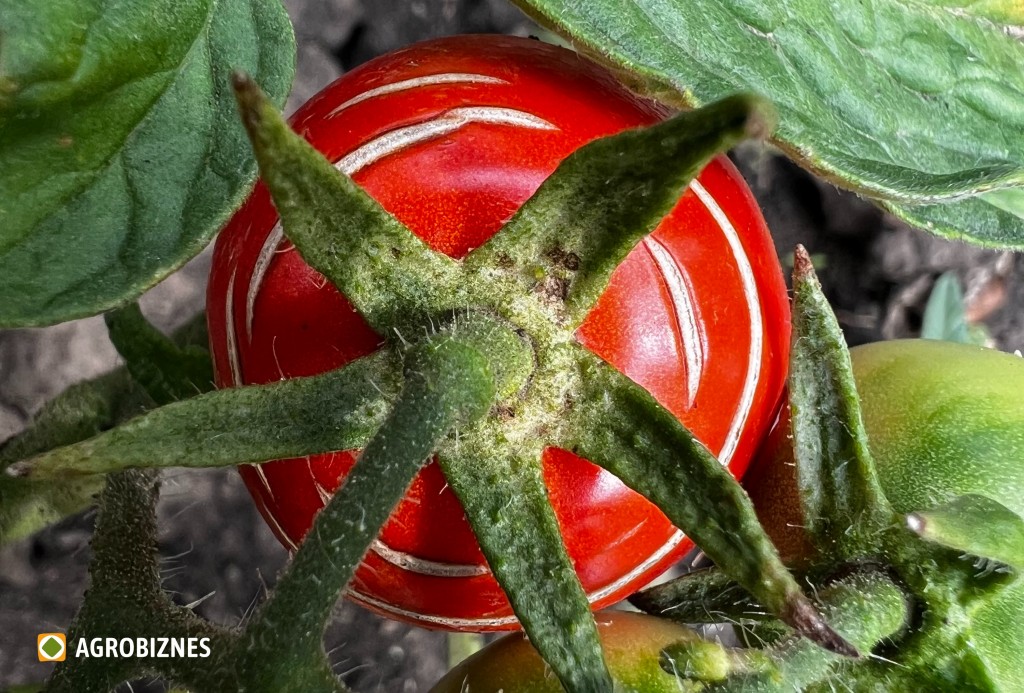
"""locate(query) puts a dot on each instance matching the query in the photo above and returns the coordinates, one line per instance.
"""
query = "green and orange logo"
(52, 647)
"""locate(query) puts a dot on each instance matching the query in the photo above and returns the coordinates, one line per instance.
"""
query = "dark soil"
(214, 547)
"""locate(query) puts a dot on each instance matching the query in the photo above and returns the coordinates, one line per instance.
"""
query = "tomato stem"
(125, 600)
(703, 596)
(865, 606)
(449, 382)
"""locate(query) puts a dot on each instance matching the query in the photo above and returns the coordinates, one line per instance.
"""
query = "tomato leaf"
(945, 316)
(608, 195)
(507, 505)
(448, 383)
(844, 507)
(166, 371)
(907, 102)
(618, 425)
(380, 265)
(338, 410)
(995, 219)
(975, 524)
(120, 149)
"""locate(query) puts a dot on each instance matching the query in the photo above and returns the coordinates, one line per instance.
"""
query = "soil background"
(877, 272)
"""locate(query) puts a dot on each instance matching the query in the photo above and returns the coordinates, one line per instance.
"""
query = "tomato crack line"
(415, 83)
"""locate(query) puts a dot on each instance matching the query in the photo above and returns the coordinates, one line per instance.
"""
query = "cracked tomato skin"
(452, 136)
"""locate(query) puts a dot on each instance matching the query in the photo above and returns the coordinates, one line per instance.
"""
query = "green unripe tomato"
(942, 420)
(632, 646)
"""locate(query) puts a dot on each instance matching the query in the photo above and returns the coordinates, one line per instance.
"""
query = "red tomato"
(452, 136)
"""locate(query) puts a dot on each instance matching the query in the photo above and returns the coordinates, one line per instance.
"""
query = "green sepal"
(448, 383)
(703, 596)
(166, 371)
(976, 525)
(338, 410)
(618, 425)
(507, 505)
(865, 607)
(386, 271)
(844, 507)
(81, 411)
(605, 197)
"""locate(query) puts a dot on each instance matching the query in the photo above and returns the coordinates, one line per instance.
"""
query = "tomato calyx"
(853, 518)
(697, 313)
(865, 605)
(928, 572)
(541, 274)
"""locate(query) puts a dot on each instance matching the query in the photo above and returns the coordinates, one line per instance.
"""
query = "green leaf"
(844, 507)
(975, 524)
(945, 317)
(120, 149)
(991, 219)
(448, 383)
(606, 196)
(167, 371)
(507, 505)
(338, 410)
(1009, 200)
(618, 425)
(911, 102)
(381, 266)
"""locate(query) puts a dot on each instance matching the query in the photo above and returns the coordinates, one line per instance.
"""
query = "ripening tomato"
(452, 136)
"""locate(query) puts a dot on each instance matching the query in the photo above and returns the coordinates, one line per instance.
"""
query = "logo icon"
(52, 647)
